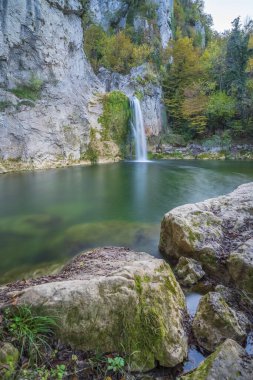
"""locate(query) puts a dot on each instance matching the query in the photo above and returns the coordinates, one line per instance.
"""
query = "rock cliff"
(48, 91)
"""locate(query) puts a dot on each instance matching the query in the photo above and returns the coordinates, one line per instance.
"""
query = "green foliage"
(220, 109)
(116, 52)
(188, 14)
(116, 364)
(59, 372)
(115, 118)
(94, 42)
(29, 331)
(92, 153)
(181, 73)
(30, 90)
(237, 57)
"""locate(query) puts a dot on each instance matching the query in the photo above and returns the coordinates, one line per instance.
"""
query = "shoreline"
(17, 167)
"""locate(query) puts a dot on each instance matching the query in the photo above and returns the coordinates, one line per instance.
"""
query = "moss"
(202, 371)
(138, 284)
(143, 334)
(91, 153)
(193, 236)
(115, 118)
(139, 94)
(30, 90)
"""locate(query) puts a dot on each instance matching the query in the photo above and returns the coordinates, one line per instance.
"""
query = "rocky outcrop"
(113, 13)
(189, 271)
(215, 321)
(179, 150)
(216, 232)
(113, 299)
(229, 361)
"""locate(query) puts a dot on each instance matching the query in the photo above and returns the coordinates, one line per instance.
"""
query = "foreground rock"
(228, 362)
(217, 232)
(189, 271)
(117, 300)
(215, 321)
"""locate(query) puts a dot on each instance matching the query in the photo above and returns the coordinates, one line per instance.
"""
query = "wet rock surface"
(228, 362)
(215, 321)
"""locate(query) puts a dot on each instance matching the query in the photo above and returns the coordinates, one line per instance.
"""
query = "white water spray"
(138, 130)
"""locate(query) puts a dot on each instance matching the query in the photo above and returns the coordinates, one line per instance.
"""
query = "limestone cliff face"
(41, 41)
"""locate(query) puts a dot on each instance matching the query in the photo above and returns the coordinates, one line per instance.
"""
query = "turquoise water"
(46, 216)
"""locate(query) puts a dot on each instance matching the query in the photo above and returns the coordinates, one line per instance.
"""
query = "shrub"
(115, 52)
(94, 41)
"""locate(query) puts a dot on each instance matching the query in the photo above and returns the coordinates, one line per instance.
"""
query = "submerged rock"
(216, 232)
(215, 321)
(117, 300)
(228, 362)
(189, 271)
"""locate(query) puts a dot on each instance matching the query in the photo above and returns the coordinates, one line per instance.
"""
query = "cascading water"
(138, 130)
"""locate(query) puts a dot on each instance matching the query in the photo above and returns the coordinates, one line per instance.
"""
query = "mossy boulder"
(216, 233)
(189, 271)
(117, 300)
(228, 362)
(240, 266)
(9, 356)
(194, 231)
(215, 321)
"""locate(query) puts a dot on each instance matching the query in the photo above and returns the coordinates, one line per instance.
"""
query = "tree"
(221, 109)
(237, 57)
(194, 108)
(183, 70)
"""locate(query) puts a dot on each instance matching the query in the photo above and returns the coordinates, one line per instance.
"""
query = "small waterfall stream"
(138, 130)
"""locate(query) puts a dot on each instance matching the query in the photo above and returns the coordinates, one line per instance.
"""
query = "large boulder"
(228, 362)
(215, 321)
(211, 231)
(116, 300)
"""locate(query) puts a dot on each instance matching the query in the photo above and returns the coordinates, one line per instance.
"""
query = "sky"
(225, 11)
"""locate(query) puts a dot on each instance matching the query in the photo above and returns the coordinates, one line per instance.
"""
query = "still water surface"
(47, 216)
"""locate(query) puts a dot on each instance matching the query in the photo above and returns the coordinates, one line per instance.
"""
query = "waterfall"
(138, 130)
